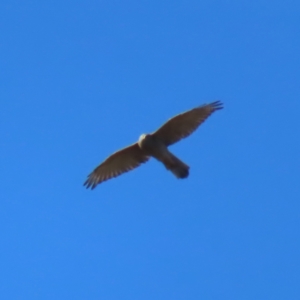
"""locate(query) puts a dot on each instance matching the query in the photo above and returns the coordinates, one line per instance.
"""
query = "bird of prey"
(154, 145)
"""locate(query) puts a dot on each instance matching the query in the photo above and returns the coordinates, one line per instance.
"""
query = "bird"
(154, 145)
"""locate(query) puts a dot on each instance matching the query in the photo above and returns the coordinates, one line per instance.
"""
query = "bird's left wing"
(184, 124)
(118, 163)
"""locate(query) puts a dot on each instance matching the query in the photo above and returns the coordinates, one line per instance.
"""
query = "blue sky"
(82, 79)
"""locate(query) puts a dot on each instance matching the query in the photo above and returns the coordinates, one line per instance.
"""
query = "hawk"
(155, 145)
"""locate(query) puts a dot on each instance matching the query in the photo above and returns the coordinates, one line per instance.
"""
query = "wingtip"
(217, 105)
(88, 184)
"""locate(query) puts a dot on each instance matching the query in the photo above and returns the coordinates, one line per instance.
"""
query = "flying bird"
(154, 145)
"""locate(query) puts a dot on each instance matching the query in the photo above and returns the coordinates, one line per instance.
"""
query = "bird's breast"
(151, 145)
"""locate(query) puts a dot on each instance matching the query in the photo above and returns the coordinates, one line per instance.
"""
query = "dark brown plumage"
(155, 145)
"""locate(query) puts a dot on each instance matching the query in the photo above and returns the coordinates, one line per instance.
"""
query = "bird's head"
(144, 136)
(144, 140)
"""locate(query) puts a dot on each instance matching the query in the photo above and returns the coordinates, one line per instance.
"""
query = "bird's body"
(152, 145)
(155, 145)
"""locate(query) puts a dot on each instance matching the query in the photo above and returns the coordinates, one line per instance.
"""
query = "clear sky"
(82, 79)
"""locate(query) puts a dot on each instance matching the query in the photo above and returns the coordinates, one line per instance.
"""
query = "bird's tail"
(176, 166)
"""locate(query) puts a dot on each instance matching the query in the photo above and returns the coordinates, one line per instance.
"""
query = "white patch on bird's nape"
(142, 137)
(143, 140)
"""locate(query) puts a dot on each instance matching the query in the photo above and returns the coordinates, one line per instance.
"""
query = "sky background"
(82, 79)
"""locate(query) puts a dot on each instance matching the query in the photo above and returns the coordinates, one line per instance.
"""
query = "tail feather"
(177, 167)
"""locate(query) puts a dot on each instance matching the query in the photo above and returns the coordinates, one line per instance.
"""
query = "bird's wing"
(118, 163)
(184, 124)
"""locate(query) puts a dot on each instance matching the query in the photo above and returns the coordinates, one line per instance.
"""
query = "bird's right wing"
(184, 124)
(118, 163)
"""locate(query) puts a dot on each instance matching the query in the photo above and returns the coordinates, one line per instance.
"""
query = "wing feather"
(118, 163)
(184, 124)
